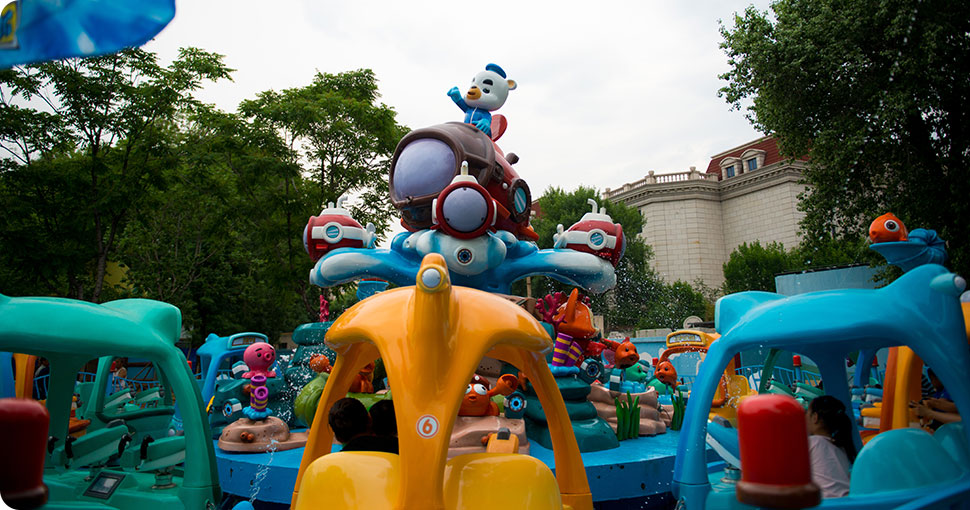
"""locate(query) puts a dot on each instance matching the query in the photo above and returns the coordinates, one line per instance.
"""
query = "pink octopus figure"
(259, 357)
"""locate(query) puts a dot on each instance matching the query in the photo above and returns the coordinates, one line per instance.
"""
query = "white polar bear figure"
(487, 93)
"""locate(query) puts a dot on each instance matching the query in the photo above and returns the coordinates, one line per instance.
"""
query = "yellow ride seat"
(738, 389)
(492, 481)
(485, 481)
(350, 481)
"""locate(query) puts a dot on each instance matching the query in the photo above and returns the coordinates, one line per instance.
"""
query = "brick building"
(695, 220)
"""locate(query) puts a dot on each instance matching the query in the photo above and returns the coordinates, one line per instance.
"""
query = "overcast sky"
(606, 90)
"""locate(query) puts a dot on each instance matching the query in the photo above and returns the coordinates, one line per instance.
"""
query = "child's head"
(348, 419)
(382, 418)
(826, 416)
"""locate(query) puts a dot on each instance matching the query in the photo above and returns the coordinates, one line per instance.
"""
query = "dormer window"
(730, 167)
(753, 159)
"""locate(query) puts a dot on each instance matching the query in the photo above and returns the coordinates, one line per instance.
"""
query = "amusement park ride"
(466, 211)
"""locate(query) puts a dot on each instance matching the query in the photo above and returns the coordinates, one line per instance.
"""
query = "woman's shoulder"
(816, 441)
(823, 449)
(821, 444)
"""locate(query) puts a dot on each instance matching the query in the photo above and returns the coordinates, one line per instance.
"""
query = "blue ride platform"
(638, 472)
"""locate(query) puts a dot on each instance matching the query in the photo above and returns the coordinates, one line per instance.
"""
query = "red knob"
(796, 360)
(655, 360)
(775, 467)
(24, 423)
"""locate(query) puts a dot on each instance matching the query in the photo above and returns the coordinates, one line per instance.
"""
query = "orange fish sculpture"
(666, 373)
(574, 327)
(626, 354)
(364, 380)
(887, 229)
(320, 363)
(478, 395)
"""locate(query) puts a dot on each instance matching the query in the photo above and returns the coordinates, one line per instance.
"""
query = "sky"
(607, 91)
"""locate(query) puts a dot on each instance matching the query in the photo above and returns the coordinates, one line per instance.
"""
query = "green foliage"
(205, 209)
(671, 304)
(753, 267)
(340, 133)
(875, 91)
(680, 409)
(235, 214)
(215, 243)
(82, 160)
(627, 417)
(641, 299)
(561, 207)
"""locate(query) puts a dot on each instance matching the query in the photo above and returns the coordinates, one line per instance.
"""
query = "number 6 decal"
(427, 426)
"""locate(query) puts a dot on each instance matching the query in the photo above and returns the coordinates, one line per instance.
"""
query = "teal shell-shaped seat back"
(902, 459)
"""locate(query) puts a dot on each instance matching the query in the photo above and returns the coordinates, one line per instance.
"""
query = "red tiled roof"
(766, 144)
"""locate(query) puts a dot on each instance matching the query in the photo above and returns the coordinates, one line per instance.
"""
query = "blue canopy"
(40, 30)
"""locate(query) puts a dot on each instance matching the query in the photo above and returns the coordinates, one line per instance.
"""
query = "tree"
(640, 298)
(83, 160)
(673, 303)
(205, 209)
(209, 241)
(343, 138)
(234, 211)
(753, 267)
(875, 91)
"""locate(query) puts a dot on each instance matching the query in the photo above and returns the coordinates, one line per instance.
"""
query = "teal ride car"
(128, 461)
(920, 310)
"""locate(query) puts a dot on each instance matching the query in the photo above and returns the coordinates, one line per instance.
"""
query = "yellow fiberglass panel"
(350, 481)
(490, 481)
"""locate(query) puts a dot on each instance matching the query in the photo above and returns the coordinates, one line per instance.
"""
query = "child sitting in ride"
(351, 426)
(383, 422)
(830, 445)
(938, 407)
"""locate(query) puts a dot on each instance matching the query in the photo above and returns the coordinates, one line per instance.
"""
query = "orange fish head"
(887, 229)
(476, 399)
(320, 363)
(626, 355)
(577, 318)
(666, 373)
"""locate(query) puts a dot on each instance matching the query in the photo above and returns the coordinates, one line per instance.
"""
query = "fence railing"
(119, 383)
(655, 178)
(785, 376)
(42, 384)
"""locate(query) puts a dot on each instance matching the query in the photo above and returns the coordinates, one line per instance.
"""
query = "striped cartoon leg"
(562, 350)
(574, 355)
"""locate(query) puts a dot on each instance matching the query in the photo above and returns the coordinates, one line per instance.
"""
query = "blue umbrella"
(39, 30)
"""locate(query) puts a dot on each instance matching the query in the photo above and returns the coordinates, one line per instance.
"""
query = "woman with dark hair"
(830, 445)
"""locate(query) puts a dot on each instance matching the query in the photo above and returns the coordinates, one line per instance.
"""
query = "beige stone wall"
(685, 237)
(769, 214)
(694, 225)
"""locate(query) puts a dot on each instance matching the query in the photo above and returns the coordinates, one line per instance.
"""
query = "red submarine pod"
(595, 233)
(335, 228)
(775, 468)
(25, 423)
